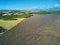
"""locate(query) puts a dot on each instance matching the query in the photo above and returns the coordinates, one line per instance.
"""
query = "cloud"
(57, 5)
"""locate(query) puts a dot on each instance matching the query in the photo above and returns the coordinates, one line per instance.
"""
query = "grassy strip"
(9, 21)
(47, 12)
(9, 24)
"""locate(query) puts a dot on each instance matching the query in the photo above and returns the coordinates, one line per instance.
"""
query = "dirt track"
(36, 30)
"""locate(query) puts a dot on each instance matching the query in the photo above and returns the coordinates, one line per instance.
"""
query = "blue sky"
(28, 4)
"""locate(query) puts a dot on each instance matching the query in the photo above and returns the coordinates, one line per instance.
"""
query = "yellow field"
(8, 24)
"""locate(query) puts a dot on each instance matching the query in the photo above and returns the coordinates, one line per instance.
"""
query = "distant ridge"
(54, 8)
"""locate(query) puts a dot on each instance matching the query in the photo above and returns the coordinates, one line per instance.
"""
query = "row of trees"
(46, 12)
(14, 15)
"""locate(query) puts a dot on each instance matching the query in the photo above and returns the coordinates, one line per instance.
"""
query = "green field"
(9, 24)
(9, 21)
(47, 12)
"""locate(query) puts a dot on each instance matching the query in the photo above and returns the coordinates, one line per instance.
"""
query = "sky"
(28, 4)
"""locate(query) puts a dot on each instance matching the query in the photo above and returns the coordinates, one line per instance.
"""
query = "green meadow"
(9, 21)
(47, 12)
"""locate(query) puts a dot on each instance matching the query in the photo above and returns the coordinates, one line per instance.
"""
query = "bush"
(2, 29)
